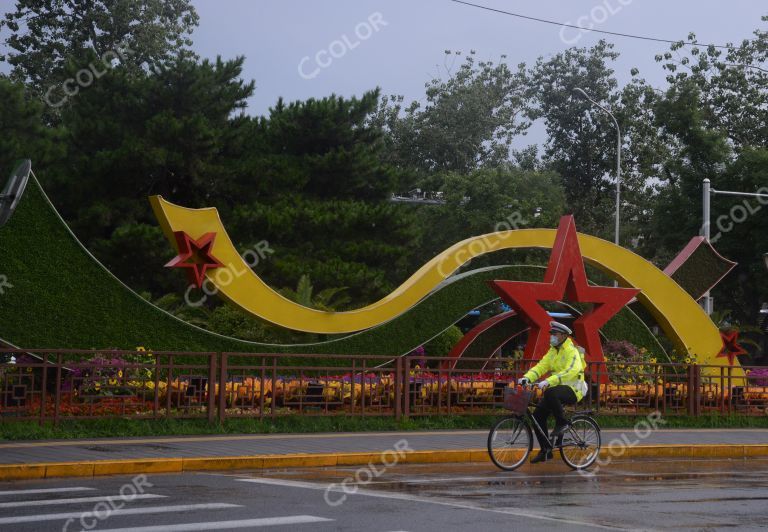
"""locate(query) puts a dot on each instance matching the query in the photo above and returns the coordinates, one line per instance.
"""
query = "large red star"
(731, 348)
(565, 278)
(195, 255)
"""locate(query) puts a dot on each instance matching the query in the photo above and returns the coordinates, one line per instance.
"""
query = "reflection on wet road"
(634, 495)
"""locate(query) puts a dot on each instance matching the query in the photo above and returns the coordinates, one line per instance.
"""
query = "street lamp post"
(707, 231)
(618, 156)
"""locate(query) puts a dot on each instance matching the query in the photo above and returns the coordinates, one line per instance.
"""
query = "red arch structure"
(468, 339)
(452, 359)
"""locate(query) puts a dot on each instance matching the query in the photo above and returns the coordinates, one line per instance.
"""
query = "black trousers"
(552, 403)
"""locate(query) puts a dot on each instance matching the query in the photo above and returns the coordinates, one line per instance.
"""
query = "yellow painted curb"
(299, 460)
(222, 462)
(122, 467)
(69, 469)
(479, 455)
(651, 451)
(437, 457)
(755, 450)
(349, 459)
(177, 465)
(22, 471)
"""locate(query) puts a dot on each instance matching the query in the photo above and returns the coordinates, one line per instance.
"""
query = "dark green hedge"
(626, 325)
(62, 297)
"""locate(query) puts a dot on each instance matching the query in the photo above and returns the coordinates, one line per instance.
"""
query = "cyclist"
(565, 385)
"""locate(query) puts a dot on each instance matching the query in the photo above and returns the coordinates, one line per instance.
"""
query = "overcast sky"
(398, 45)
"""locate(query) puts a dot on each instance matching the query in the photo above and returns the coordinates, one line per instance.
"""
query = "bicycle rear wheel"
(580, 445)
(510, 442)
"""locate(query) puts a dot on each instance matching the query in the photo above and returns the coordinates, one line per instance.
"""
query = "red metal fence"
(48, 385)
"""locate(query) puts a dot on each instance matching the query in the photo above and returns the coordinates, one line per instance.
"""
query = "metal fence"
(48, 385)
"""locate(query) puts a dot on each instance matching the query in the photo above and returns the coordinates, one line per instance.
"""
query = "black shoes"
(543, 456)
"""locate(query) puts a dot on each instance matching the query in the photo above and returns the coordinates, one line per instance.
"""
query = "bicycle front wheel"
(580, 445)
(510, 442)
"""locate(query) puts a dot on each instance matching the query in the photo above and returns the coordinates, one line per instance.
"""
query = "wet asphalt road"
(702, 495)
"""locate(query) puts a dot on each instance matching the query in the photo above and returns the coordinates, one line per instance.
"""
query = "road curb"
(220, 463)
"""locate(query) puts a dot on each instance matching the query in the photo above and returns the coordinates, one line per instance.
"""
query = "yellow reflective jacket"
(566, 365)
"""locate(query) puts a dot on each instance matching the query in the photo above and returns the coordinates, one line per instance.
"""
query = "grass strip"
(106, 428)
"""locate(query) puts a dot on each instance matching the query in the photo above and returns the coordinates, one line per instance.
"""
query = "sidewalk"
(42, 459)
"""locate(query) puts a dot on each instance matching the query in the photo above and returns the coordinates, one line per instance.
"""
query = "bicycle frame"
(538, 430)
(528, 416)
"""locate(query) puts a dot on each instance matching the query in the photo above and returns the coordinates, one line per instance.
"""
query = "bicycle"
(511, 438)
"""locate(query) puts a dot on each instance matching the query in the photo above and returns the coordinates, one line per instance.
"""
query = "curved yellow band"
(684, 322)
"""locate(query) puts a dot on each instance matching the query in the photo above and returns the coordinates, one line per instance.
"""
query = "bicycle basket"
(516, 400)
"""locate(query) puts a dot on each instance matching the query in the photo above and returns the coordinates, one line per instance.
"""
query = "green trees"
(317, 189)
(22, 128)
(47, 36)
(132, 135)
(459, 143)
(581, 141)
(468, 121)
(490, 200)
(713, 119)
(324, 147)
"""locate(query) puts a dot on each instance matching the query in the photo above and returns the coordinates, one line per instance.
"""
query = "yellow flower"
(120, 373)
(652, 361)
(687, 360)
(140, 349)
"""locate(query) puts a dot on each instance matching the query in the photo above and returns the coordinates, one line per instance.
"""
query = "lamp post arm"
(618, 156)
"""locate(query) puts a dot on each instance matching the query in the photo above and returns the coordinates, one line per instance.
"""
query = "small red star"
(195, 255)
(731, 348)
(565, 278)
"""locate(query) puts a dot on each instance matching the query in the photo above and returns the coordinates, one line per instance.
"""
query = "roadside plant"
(633, 365)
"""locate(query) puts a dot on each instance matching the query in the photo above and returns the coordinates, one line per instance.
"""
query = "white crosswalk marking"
(46, 490)
(122, 511)
(225, 525)
(336, 488)
(51, 502)
(115, 506)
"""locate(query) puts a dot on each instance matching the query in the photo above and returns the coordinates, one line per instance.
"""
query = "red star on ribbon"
(565, 279)
(731, 348)
(195, 255)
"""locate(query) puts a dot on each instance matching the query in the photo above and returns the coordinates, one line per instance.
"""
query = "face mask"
(553, 340)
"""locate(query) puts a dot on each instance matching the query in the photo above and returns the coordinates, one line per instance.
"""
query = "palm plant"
(328, 299)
